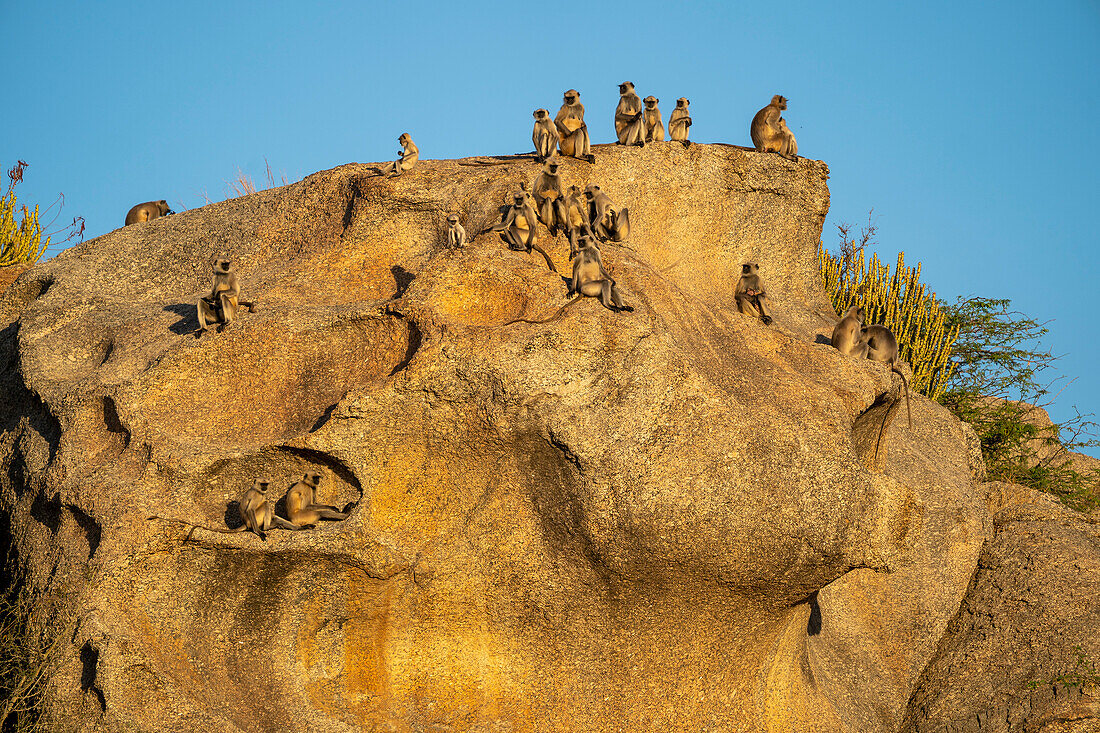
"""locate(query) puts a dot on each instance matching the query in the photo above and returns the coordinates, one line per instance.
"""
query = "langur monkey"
(148, 210)
(750, 293)
(880, 344)
(549, 201)
(769, 131)
(256, 511)
(409, 154)
(517, 228)
(629, 125)
(576, 218)
(545, 136)
(792, 144)
(876, 343)
(456, 234)
(592, 280)
(654, 128)
(679, 122)
(301, 503)
(572, 128)
(846, 337)
(223, 303)
(606, 223)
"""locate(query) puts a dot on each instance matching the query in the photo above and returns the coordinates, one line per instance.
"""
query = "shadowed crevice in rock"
(89, 661)
(813, 624)
(415, 338)
(92, 531)
(47, 511)
(113, 423)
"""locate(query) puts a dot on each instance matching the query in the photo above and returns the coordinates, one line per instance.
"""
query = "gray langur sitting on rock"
(750, 294)
(629, 124)
(549, 199)
(409, 155)
(607, 223)
(572, 128)
(517, 228)
(679, 122)
(223, 303)
(456, 234)
(545, 135)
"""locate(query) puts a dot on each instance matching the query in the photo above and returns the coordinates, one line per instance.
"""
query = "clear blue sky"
(971, 128)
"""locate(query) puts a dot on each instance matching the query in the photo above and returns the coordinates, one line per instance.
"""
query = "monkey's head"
(856, 311)
(682, 102)
(651, 101)
(626, 87)
(590, 190)
(540, 114)
(574, 190)
(164, 209)
(749, 268)
(222, 265)
(404, 139)
(261, 485)
(519, 197)
(779, 101)
(452, 219)
(570, 96)
(312, 477)
(552, 165)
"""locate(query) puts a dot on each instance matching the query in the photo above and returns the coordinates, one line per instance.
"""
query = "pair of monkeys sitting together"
(258, 514)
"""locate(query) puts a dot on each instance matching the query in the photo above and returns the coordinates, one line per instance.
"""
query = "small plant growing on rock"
(21, 243)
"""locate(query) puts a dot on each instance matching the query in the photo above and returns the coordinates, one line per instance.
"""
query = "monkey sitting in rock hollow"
(223, 303)
(750, 293)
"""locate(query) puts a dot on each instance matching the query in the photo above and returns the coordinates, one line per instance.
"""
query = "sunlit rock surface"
(662, 520)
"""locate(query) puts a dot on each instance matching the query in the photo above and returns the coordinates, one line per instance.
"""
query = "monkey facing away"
(679, 122)
(606, 222)
(147, 211)
(456, 234)
(548, 198)
(654, 128)
(301, 503)
(223, 303)
(545, 136)
(769, 132)
(574, 140)
(409, 154)
(576, 218)
(846, 333)
(256, 511)
(629, 124)
(750, 294)
(517, 228)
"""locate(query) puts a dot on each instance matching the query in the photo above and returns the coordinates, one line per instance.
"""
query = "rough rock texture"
(1032, 615)
(664, 520)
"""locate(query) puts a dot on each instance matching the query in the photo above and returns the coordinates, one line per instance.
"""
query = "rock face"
(670, 519)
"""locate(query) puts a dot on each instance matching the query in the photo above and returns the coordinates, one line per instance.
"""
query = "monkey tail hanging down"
(880, 344)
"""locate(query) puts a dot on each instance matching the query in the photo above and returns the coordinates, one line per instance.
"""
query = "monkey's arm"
(505, 222)
(280, 523)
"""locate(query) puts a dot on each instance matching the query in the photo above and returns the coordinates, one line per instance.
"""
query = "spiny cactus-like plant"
(901, 303)
(22, 242)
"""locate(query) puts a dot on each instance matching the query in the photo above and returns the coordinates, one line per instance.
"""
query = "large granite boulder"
(671, 519)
